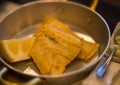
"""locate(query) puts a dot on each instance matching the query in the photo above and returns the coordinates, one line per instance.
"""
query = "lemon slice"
(16, 49)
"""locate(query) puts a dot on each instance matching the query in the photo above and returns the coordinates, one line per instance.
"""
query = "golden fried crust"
(54, 49)
(56, 46)
(88, 50)
(58, 25)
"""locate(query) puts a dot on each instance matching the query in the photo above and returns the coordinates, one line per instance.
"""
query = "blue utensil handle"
(102, 69)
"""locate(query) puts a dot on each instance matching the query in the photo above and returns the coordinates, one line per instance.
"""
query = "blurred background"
(109, 9)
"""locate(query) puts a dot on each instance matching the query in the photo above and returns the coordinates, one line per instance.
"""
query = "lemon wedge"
(16, 49)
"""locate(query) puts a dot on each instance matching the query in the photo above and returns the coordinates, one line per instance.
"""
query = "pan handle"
(2, 80)
(94, 4)
(33, 81)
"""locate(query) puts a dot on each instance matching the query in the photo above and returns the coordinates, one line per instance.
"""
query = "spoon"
(103, 68)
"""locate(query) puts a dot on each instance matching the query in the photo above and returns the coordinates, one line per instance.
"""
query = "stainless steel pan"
(81, 19)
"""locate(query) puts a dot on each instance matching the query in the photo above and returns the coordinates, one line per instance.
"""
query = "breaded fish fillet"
(54, 49)
(88, 48)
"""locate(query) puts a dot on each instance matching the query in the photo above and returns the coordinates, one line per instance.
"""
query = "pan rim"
(66, 74)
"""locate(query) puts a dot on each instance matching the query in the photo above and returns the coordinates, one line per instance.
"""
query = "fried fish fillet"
(56, 24)
(54, 49)
(88, 50)
(57, 45)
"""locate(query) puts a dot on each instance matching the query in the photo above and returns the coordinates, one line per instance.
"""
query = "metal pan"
(81, 19)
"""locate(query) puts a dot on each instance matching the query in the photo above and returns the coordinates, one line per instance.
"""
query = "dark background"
(110, 11)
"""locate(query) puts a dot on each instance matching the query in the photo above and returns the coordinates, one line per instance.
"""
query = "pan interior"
(29, 67)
